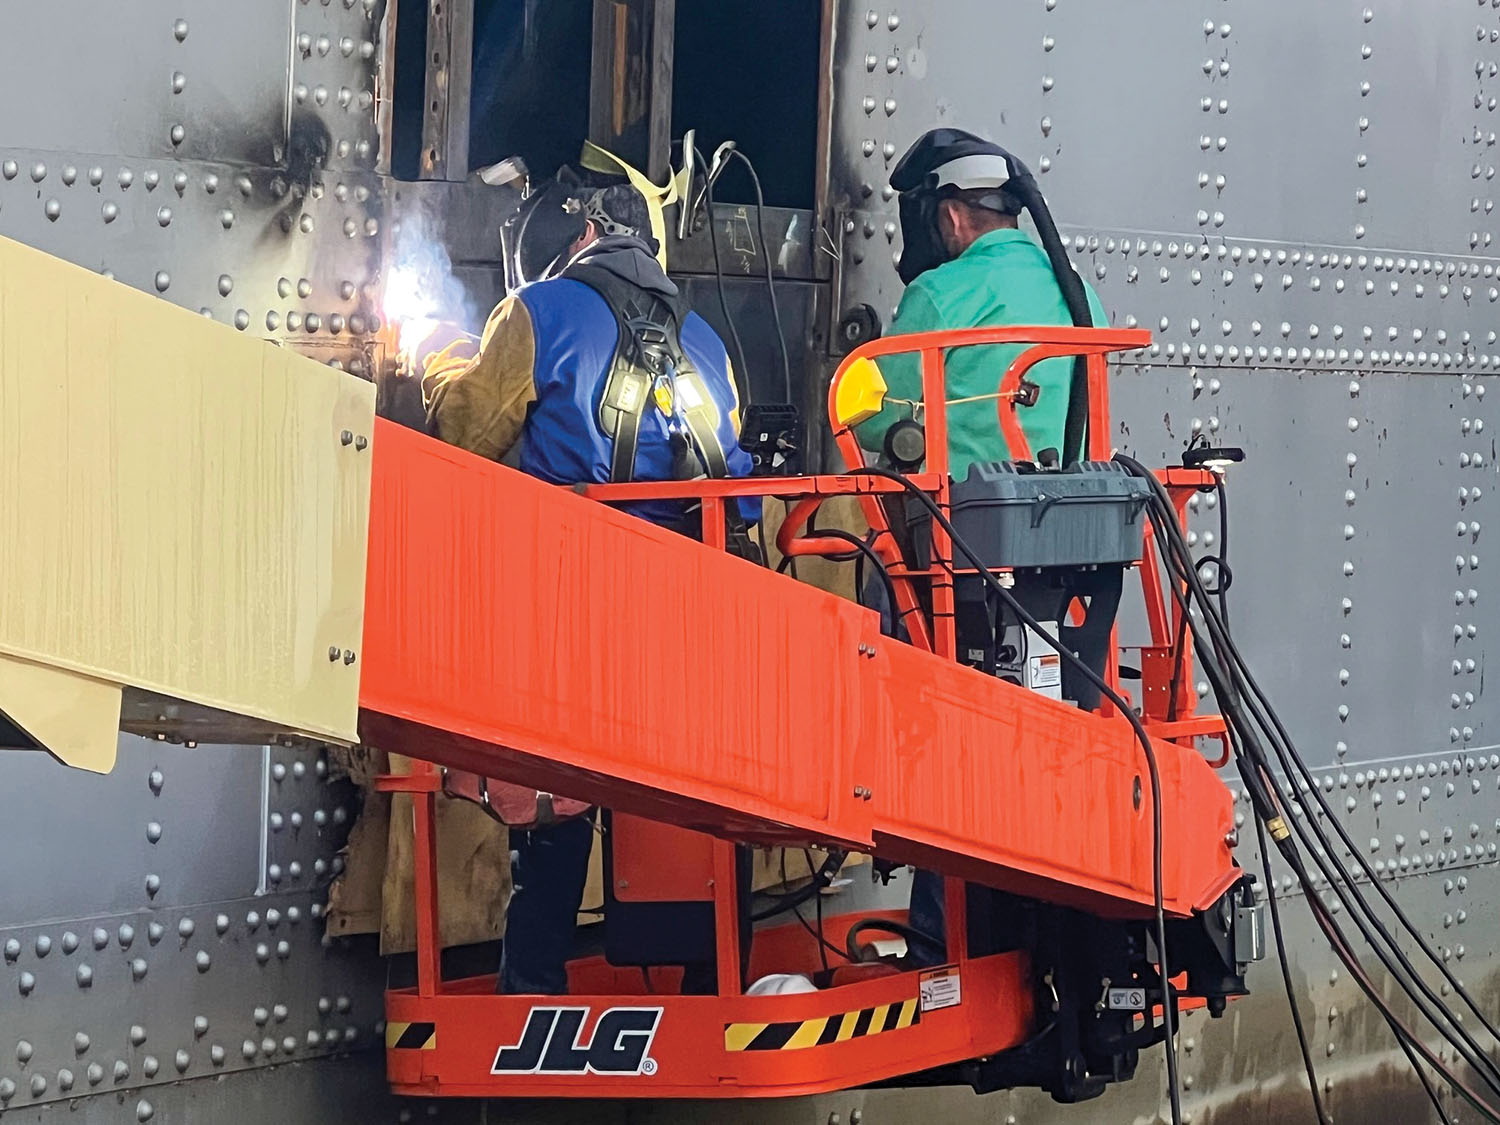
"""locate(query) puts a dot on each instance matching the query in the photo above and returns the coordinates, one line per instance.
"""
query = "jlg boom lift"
(499, 625)
(513, 648)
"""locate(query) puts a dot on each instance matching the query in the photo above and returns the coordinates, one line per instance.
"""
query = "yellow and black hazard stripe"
(798, 1034)
(410, 1036)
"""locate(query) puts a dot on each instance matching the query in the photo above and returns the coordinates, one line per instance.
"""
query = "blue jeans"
(550, 869)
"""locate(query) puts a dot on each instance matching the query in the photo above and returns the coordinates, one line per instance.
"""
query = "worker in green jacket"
(968, 264)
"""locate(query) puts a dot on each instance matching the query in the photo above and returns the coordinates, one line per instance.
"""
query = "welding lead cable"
(1333, 870)
(1292, 764)
(1399, 1031)
(1286, 977)
(765, 246)
(1404, 1034)
(1272, 898)
(1337, 883)
(822, 877)
(1169, 1002)
(863, 551)
(713, 241)
(1278, 734)
(1182, 557)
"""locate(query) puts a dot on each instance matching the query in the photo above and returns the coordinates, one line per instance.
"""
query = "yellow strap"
(597, 159)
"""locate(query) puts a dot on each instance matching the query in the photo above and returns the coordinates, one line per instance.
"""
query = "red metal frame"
(780, 715)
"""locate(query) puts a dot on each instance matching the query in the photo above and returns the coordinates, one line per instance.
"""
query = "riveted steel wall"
(1296, 198)
(165, 922)
(222, 155)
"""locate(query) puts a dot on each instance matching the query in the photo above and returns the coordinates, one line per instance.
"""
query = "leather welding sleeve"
(902, 373)
(480, 404)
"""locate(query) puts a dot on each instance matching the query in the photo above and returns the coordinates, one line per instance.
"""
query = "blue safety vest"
(564, 441)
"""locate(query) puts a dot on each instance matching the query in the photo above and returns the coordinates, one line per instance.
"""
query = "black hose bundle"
(1311, 838)
(1024, 187)
(1006, 595)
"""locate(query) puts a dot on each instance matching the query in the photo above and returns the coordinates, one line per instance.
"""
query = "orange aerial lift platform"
(532, 634)
(228, 546)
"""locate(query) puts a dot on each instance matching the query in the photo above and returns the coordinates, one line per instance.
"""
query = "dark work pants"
(926, 912)
(550, 869)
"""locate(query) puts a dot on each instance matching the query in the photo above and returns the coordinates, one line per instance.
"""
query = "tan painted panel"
(74, 716)
(178, 511)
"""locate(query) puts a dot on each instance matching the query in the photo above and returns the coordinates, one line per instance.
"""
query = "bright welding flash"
(410, 309)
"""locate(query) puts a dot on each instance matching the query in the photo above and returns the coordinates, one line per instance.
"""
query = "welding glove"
(442, 342)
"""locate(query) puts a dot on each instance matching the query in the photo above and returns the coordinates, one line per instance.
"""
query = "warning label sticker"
(941, 988)
(1046, 671)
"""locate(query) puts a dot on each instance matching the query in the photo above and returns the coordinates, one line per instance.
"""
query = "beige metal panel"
(72, 715)
(179, 511)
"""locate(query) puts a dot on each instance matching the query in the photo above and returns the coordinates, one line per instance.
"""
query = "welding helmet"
(539, 232)
(944, 162)
(941, 163)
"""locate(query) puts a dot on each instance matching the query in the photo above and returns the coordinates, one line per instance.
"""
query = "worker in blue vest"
(599, 373)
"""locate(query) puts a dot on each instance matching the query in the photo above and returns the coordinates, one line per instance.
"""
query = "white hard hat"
(781, 984)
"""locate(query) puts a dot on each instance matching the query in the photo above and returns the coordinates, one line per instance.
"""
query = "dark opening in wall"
(743, 70)
(531, 82)
(408, 88)
(747, 71)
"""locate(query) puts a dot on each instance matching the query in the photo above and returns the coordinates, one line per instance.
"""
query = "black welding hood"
(945, 161)
(539, 232)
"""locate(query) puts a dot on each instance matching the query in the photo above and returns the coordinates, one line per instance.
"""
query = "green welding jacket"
(1003, 278)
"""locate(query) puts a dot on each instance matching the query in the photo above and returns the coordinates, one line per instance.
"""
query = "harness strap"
(628, 387)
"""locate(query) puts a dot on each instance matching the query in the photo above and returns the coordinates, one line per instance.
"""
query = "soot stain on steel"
(308, 146)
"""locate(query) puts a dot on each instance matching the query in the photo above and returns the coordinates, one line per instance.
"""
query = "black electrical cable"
(1290, 763)
(1286, 977)
(901, 929)
(1427, 1087)
(765, 247)
(868, 552)
(813, 531)
(1179, 660)
(743, 371)
(1246, 716)
(1226, 576)
(793, 899)
(1025, 188)
(1169, 1003)
(1265, 856)
(1404, 1034)
(1179, 557)
(825, 947)
(1294, 766)
(823, 943)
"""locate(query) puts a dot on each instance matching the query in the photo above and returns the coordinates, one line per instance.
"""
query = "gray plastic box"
(1090, 514)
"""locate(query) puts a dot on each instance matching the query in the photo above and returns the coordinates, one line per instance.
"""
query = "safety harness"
(651, 371)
